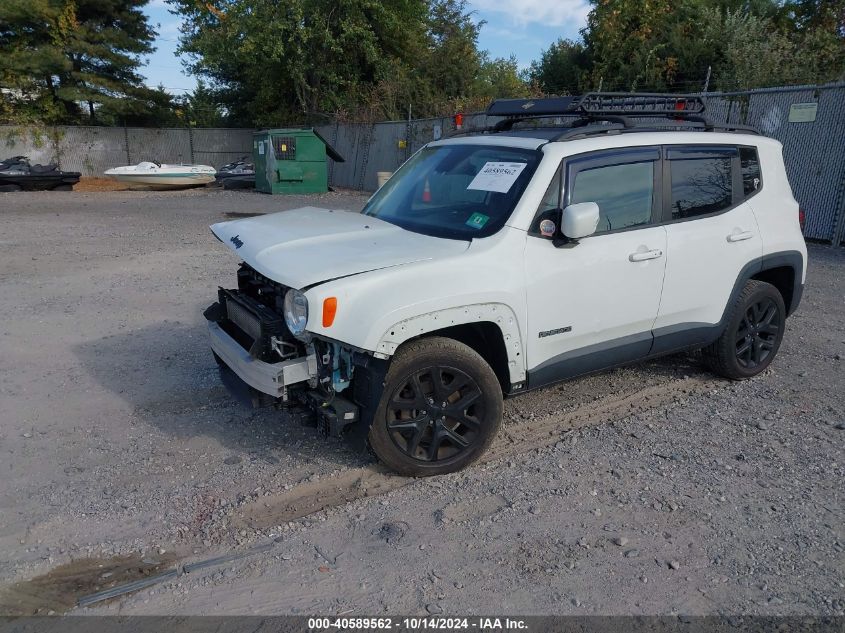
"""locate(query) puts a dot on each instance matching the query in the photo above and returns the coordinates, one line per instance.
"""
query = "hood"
(306, 246)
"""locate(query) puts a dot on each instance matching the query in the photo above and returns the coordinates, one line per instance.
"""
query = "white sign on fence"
(803, 112)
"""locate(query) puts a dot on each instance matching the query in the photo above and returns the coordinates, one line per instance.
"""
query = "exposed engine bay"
(286, 370)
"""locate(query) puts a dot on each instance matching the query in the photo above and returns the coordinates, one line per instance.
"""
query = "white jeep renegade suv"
(508, 260)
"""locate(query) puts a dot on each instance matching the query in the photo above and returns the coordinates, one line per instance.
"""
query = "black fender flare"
(790, 259)
(676, 338)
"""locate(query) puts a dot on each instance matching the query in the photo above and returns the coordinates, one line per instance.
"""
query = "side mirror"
(580, 220)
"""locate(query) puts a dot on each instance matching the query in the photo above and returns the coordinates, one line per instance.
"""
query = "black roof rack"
(600, 103)
(618, 109)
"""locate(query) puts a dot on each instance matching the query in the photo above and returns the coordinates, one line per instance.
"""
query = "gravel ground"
(653, 489)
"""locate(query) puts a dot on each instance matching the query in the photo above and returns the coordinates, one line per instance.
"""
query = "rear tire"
(439, 411)
(752, 335)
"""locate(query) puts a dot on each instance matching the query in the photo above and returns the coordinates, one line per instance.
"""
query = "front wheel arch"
(479, 326)
(486, 339)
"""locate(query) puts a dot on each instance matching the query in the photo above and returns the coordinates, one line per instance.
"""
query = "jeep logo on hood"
(236, 240)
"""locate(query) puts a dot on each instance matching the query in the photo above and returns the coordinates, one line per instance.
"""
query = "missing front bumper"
(272, 379)
(260, 384)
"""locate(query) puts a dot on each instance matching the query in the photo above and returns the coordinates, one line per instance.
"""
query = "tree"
(453, 61)
(817, 26)
(201, 108)
(293, 61)
(563, 68)
(500, 78)
(670, 44)
(275, 60)
(747, 52)
(62, 60)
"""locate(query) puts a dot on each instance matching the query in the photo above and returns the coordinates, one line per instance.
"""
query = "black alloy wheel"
(435, 413)
(440, 406)
(754, 327)
(758, 333)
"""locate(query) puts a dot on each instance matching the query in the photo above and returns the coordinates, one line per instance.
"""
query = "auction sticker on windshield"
(498, 177)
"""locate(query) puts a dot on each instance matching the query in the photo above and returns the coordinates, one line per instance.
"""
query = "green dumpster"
(292, 161)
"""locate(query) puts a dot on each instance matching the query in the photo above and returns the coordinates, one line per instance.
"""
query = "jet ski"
(239, 174)
(16, 174)
(154, 175)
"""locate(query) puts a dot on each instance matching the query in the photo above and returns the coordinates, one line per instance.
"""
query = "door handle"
(738, 237)
(644, 255)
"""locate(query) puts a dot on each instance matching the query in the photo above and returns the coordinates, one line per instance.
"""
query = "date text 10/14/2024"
(417, 624)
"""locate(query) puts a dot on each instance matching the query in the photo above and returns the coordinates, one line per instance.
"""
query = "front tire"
(753, 333)
(439, 411)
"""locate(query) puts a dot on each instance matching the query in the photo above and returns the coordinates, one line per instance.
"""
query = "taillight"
(802, 219)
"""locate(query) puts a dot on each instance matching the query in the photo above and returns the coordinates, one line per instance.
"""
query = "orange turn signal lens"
(329, 310)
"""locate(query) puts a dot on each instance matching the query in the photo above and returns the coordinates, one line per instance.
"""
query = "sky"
(523, 32)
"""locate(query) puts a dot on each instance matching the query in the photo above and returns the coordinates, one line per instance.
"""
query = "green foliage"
(201, 108)
(500, 78)
(273, 61)
(61, 61)
(670, 44)
(562, 68)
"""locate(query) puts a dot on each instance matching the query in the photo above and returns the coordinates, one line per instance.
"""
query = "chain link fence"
(808, 120)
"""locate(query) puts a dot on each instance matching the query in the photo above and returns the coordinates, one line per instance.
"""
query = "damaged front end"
(264, 364)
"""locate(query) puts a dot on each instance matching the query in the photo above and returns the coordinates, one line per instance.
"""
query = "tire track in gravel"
(513, 439)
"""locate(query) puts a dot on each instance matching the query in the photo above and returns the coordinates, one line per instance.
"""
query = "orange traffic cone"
(426, 196)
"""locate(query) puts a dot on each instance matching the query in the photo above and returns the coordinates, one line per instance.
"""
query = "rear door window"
(701, 181)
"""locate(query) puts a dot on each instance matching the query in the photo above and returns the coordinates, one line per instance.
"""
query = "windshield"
(455, 191)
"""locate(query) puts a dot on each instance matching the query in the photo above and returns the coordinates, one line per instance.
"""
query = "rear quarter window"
(749, 165)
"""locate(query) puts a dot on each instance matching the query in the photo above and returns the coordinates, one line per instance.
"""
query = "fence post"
(126, 143)
(408, 135)
(57, 150)
(334, 144)
(368, 137)
(838, 236)
(191, 142)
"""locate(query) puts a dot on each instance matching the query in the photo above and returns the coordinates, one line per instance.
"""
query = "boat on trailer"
(154, 175)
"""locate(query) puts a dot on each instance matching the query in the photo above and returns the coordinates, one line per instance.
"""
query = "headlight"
(296, 311)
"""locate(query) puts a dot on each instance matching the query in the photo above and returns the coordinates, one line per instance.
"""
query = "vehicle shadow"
(168, 375)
